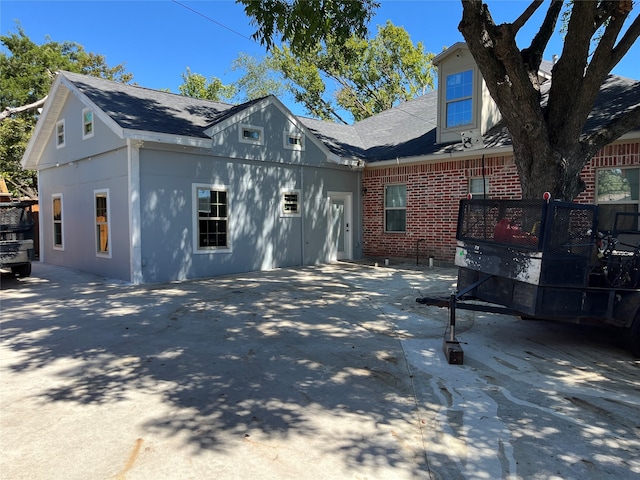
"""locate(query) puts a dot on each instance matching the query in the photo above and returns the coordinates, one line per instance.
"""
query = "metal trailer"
(545, 260)
(16, 237)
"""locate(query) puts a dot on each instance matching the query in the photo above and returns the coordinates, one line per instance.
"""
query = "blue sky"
(158, 40)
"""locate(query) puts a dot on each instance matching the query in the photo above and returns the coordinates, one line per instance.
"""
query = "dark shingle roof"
(407, 130)
(144, 109)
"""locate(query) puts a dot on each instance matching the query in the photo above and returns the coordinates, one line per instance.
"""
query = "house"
(146, 186)
(149, 186)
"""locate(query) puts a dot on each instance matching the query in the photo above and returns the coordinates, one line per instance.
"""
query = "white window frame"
(102, 253)
(386, 209)
(448, 102)
(283, 202)
(250, 128)
(196, 224)
(288, 136)
(629, 202)
(54, 197)
(86, 135)
(60, 144)
(479, 194)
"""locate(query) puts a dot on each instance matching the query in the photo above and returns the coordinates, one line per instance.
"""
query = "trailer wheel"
(633, 336)
(22, 270)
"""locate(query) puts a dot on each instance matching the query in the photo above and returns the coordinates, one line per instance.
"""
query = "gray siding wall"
(77, 183)
(77, 148)
(260, 237)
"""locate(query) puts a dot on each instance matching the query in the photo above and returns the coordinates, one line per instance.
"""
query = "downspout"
(304, 204)
(40, 224)
(135, 224)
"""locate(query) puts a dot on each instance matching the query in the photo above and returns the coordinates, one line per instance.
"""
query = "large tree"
(549, 146)
(26, 73)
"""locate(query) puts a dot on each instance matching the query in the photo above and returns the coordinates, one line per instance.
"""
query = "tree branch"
(7, 112)
(610, 132)
(532, 56)
(526, 15)
(625, 43)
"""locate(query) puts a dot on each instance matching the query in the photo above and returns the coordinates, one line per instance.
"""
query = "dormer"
(464, 103)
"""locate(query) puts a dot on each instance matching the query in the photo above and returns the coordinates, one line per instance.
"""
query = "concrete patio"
(321, 372)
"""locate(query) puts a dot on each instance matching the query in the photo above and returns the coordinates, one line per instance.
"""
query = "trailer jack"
(451, 346)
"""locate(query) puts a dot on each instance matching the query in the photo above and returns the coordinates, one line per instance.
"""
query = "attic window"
(293, 141)
(250, 134)
(87, 123)
(459, 99)
(60, 139)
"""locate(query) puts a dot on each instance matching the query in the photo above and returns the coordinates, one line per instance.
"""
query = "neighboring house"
(149, 186)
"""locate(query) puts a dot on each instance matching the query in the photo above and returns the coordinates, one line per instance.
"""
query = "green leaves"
(197, 86)
(364, 77)
(303, 24)
(27, 71)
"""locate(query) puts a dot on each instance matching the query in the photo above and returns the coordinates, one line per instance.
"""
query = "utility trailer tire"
(633, 335)
(22, 270)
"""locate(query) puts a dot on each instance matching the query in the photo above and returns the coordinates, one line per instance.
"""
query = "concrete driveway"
(327, 372)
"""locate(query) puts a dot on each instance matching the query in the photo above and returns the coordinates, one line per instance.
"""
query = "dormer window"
(251, 134)
(459, 99)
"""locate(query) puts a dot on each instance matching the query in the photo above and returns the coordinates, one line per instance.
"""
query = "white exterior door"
(340, 228)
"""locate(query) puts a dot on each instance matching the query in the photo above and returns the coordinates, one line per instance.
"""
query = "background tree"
(369, 76)
(261, 78)
(549, 146)
(197, 86)
(304, 23)
(27, 71)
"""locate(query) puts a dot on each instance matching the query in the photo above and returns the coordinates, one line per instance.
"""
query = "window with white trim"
(290, 204)
(60, 134)
(212, 217)
(459, 99)
(395, 208)
(617, 190)
(87, 123)
(103, 229)
(479, 188)
(58, 238)
(293, 141)
(251, 134)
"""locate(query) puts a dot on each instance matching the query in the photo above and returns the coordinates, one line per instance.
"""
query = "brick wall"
(433, 194)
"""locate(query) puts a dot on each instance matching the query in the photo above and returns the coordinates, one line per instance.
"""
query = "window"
(57, 222)
(249, 134)
(60, 134)
(617, 190)
(102, 223)
(291, 203)
(293, 141)
(459, 99)
(478, 188)
(212, 217)
(395, 208)
(87, 123)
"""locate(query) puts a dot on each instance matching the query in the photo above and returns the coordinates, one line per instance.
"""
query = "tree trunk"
(550, 146)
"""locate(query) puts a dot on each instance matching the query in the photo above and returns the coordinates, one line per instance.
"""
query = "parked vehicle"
(546, 260)
(16, 237)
